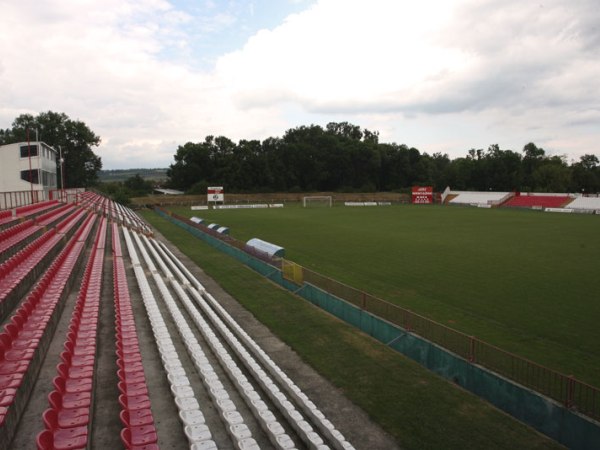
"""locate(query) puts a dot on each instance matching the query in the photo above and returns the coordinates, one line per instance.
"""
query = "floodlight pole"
(62, 173)
(29, 157)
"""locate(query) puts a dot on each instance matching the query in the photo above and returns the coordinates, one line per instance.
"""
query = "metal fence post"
(472, 349)
(570, 401)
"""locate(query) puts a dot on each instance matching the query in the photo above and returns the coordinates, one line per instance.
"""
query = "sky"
(439, 75)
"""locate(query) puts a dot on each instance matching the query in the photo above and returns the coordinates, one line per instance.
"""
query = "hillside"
(123, 174)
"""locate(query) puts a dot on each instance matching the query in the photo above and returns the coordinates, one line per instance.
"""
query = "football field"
(525, 281)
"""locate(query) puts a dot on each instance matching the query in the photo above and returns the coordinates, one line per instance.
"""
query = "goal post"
(317, 201)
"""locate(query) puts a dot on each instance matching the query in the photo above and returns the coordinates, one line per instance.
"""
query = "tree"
(137, 186)
(585, 175)
(532, 160)
(72, 137)
(552, 175)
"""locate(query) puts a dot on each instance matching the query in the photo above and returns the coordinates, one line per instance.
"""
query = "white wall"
(11, 165)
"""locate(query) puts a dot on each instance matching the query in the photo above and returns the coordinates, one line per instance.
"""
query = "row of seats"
(11, 239)
(136, 414)
(209, 306)
(35, 208)
(51, 217)
(478, 198)
(541, 201)
(18, 266)
(195, 428)
(22, 337)
(133, 220)
(238, 430)
(121, 214)
(67, 420)
(265, 417)
(8, 216)
(15, 270)
(585, 203)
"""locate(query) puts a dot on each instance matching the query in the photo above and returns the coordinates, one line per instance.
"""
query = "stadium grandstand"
(477, 198)
(552, 202)
(586, 204)
(60, 363)
(538, 201)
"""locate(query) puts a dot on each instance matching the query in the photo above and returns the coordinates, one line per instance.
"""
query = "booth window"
(25, 150)
(35, 176)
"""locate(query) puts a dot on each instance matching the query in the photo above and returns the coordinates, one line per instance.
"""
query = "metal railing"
(572, 393)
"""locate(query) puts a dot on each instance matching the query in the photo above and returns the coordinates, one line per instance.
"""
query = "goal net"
(317, 201)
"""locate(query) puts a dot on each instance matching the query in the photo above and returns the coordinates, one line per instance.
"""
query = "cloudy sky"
(440, 75)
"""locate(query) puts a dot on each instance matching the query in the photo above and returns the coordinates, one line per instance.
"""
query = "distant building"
(16, 161)
(168, 191)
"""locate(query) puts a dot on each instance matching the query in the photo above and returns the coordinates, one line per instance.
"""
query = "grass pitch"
(525, 281)
(420, 409)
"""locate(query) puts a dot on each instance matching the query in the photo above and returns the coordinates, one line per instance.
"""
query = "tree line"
(340, 157)
(344, 157)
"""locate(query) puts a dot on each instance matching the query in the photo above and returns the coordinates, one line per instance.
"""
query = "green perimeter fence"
(572, 393)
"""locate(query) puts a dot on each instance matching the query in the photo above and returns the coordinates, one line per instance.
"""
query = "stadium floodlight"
(317, 200)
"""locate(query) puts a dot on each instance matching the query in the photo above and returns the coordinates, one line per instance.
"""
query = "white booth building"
(16, 176)
(15, 163)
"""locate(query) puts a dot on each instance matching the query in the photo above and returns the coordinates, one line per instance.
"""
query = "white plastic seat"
(285, 442)
(178, 380)
(233, 417)
(182, 391)
(276, 428)
(187, 403)
(226, 404)
(204, 445)
(192, 417)
(197, 433)
(240, 431)
(248, 444)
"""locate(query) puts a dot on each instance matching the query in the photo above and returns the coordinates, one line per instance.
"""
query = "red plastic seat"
(73, 385)
(65, 368)
(134, 440)
(63, 439)
(134, 402)
(45, 440)
(12, 380)
(78, 361)
(136, 418)
(13, 367)
(139, 388)
(9, 353)
(131, 377)
(76, 399)
(80, 350)
(68, 417)
(7, 396)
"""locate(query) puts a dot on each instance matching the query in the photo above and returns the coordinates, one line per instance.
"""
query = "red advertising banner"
(422, 195)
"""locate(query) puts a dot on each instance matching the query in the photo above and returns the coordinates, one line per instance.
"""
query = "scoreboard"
(215, 194)
(422, 195)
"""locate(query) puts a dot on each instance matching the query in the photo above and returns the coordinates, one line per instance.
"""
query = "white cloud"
(437, 75)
